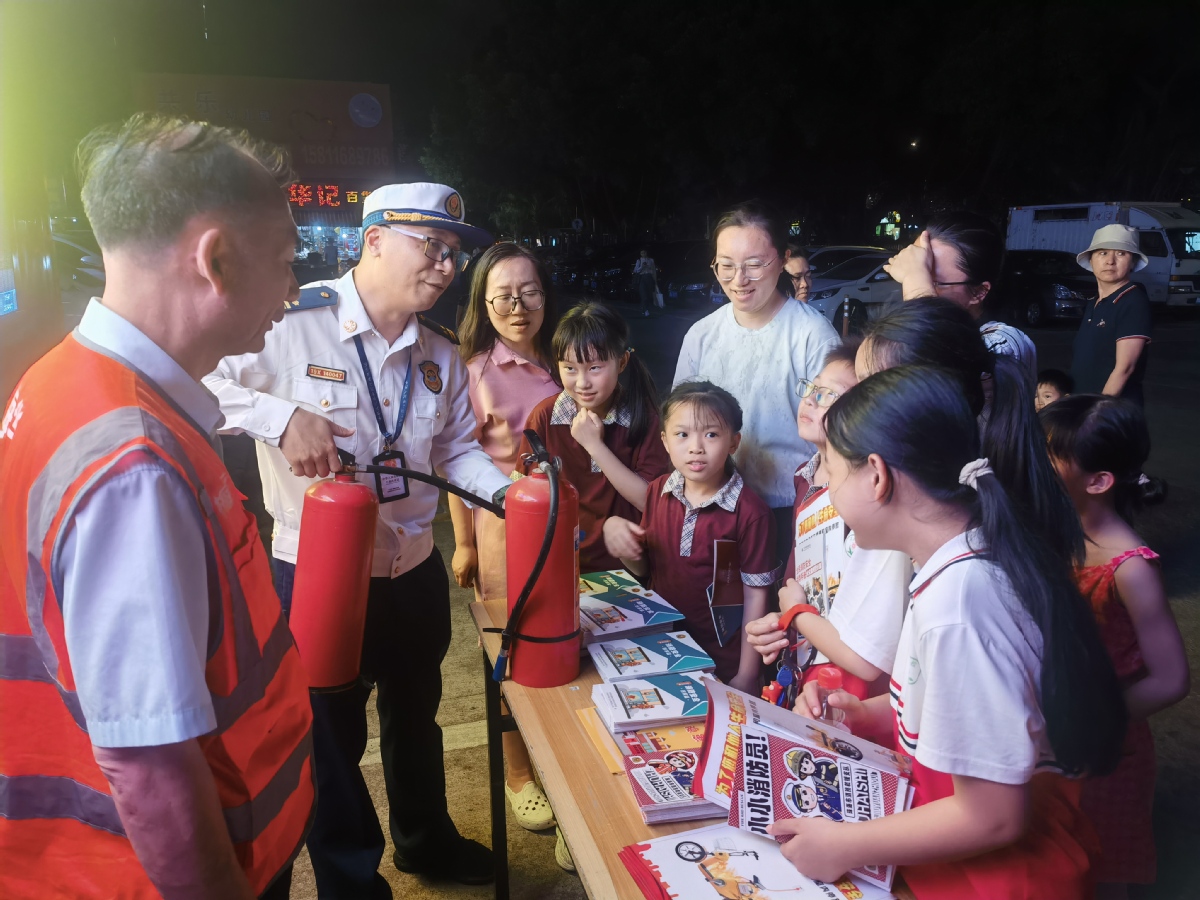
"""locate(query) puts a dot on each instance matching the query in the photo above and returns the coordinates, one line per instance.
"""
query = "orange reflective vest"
(76, 416)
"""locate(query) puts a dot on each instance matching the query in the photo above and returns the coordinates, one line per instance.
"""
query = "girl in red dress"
(1001, 685)
(1098, 445)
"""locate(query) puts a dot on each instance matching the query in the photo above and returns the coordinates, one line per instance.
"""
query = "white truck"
(1169, 235)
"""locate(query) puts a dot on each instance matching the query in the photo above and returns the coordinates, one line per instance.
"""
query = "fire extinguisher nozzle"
(501, 665)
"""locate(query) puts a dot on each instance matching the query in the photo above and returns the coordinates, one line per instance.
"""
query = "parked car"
(822, 259)
(77, 260)
(686, 274)
(860, 280)
(1037, 286)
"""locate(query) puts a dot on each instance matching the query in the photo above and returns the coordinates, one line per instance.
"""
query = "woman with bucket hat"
(1110, 348)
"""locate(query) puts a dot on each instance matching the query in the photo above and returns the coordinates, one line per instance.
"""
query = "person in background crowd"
(331, 254)
(131, 763)
(606, 434)
(355, 367)
(1052, 385)
(959, 257)
(1110, 347)
(1099, 445)
(505, 342)
(645, 273)
(758, 348)
(1001, 684)
(795, 264)
(702, 501)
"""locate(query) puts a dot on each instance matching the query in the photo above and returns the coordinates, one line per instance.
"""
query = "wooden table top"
(594, 807)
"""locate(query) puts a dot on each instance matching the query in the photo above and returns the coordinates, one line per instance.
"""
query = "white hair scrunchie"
(969, 475)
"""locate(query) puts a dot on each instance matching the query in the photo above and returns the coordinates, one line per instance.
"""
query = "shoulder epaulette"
(438, 329)
(313, 297)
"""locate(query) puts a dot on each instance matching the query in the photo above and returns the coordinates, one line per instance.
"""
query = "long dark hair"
(593, 331)
(919, 422)
(476, 334)
(1105, 434)
(935, 332)
(979, 244)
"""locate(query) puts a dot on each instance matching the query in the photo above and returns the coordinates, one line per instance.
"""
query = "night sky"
(648, 118)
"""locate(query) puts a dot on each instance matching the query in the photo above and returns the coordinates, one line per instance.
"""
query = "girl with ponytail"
(1001, 685)
(605, 432)
(1099, 445)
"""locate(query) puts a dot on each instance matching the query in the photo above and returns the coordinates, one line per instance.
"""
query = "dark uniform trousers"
(406, 638)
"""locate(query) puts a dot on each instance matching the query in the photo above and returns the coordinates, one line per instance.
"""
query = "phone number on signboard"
(343, 154)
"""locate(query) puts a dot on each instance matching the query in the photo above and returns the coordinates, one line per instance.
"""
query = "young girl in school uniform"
(505, 341)
(703, 500)
(1001, 684)
(1098, 445)
(605, 433)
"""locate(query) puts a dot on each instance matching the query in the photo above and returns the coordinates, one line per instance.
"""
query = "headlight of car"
(698, 286)
(612, 271)
(824, 295)
(1062, 292)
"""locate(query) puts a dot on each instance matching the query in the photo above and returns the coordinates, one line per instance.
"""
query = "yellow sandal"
(530, 806)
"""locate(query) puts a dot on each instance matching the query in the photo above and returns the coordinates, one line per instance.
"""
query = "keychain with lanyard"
(388, 487)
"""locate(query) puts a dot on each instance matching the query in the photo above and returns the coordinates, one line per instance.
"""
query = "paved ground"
(1172, 389)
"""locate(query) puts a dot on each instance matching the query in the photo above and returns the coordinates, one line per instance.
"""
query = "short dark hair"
(144, 179)
(706, 396)
(476, 334)
(979, 244)
(1058, 379)
(845, 352)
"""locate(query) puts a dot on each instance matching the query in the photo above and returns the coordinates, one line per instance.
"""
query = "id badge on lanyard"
(387, 487)
(390, 487)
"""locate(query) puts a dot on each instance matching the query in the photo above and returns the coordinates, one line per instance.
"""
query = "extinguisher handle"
(345, 457)
(540, 453)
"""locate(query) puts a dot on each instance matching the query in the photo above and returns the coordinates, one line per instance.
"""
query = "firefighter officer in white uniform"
(354, 366)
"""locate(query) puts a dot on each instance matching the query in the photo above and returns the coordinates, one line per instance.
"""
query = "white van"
(1170, 238)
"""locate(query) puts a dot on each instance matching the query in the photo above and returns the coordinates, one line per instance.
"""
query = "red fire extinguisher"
(549, 623)
(333, 575)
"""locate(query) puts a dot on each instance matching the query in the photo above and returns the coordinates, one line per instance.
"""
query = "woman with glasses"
(758, 347)
(958, 257)
(799, 272)
(505, 341)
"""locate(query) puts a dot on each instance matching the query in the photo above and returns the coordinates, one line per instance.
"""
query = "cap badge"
(454, 205)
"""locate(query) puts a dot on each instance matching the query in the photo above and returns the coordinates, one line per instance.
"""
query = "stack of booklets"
(613, 604)
(763, 764)
(623, 659)
(721, 861)
(662, 787)
(653, 702)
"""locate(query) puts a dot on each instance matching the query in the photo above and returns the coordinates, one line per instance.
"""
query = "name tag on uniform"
(327, 374)
(390, 487)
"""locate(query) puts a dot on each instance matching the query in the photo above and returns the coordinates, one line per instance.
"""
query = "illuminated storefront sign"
(304, 195)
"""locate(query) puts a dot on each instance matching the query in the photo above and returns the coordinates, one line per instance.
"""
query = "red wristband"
(785, 619)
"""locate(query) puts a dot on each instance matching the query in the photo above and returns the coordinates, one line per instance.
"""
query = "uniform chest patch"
(431, 372)
(326, 373)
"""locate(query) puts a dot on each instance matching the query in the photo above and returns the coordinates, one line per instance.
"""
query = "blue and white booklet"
(650, 702)
(613, 604)
(672, 652)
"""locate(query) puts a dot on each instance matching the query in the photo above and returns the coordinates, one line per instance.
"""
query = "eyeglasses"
(801, 276)
(529, 300)
(950, 283)
(823, 397)
(439, 251)
(725, 269)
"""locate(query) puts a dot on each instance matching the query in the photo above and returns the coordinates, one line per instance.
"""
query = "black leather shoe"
(461, 860)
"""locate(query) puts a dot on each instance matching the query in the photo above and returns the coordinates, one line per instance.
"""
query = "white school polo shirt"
(966, 684)
(871, 601)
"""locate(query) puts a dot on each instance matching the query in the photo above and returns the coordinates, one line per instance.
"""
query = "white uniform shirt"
(871, 600)
(310, 361)
(966, 684)
(135, 585)
(761, 368)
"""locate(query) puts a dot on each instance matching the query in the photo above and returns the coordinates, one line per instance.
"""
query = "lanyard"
(388, 438)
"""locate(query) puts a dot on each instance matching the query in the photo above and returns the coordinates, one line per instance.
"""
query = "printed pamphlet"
(655, 654)
(654, 702)
(680, 737)
(662, 787)
(722, 862)
(613, 604)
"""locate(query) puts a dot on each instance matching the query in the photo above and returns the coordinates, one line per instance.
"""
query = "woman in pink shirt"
(505, 341)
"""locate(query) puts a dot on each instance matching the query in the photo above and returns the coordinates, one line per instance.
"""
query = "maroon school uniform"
(679, 549)
(598, 499)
